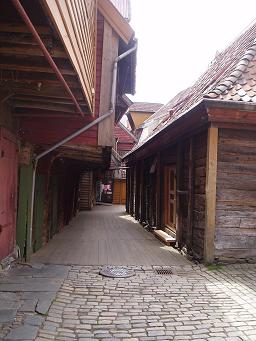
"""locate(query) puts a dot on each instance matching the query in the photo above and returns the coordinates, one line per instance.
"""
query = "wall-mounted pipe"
(49, 59)
(73, 135)
(39, 156)
(47, 55)
(114, 78)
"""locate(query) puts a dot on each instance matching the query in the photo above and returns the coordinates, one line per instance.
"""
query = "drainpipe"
(78, 132)
(39, 156)
(47, 55)
(114, 81)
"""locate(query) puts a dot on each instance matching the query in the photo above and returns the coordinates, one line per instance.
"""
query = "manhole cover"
(118, 272)
(163, 271)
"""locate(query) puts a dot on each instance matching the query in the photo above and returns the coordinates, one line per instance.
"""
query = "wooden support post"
(128, 174)
(132, 191)
(158, 190)
(210, 209)
(190, 193)
(179, 183)
(137, 190)
(141, 186)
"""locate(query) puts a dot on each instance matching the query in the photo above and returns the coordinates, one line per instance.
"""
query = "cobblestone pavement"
(26, 294)
(193, 303)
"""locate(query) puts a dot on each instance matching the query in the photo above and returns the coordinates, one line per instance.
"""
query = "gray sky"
(179, 38)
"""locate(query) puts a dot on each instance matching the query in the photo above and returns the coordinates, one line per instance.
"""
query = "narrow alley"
(61, 294)
(106, 235)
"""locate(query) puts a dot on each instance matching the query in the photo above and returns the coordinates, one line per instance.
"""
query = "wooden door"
(170, 197)
(8, 187)
(119, 192)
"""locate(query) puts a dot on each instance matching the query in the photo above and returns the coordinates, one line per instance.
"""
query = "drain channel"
(163, 272)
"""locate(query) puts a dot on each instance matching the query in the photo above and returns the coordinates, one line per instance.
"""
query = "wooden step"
(164, 237)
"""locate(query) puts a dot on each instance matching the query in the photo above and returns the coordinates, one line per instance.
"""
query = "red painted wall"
(51, 130)
(125, 141)
(8, 196)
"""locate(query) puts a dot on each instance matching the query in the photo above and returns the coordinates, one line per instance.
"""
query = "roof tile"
(230, 76)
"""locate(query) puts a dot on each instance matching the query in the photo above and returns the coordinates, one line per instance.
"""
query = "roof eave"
(115, 19)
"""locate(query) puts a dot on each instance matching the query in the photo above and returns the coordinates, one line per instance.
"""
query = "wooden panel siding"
(235, 234)
(200, 153)
(53, 130)
(75, 22)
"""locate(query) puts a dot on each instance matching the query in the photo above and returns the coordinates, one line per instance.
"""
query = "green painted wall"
(54, 208)
(39, 211)
(24, 204)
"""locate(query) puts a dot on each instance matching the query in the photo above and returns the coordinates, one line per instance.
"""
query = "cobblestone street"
(72, 301)
(191, 304)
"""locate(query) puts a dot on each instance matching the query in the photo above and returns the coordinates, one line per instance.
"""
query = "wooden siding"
(24, 205)
(235, 234)
(109, 53)
(200, 154)
(53, 130)
(86, 196)
(8, 197)
(75, 22)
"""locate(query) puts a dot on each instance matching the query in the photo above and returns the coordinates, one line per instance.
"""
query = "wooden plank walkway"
(107, 236)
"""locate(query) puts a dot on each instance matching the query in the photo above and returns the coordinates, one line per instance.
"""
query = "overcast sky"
(179, 38)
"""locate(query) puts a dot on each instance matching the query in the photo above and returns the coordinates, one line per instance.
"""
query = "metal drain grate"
(163, 272)
(116, 272)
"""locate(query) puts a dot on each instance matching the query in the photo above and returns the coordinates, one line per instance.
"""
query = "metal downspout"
(114, 78)
(70, 137)
(47, 55)
(39, 156)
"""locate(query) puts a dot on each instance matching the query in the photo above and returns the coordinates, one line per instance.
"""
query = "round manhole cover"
(119, 272)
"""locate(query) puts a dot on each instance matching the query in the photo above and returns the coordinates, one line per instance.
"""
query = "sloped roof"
(231, 76)
(145, 107)
(123, 135)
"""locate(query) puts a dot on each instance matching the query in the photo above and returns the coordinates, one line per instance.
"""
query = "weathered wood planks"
(236, 194)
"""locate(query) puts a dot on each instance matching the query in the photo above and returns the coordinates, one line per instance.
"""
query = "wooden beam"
(50, 91)
(28, 50)
(19, 28)
(141, 190)
(137, 190)
(231, 116)
(190, 194)
(179, 183)
(33, 67)
(132, 191)
(44, 106)
(158, 190)
(211, 179)
(127, 190)
(24, 77)
(47, 100)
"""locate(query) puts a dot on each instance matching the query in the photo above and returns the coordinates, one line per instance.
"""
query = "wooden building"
(58, 106)
(124, 142)
(138, 113)
(194, 175)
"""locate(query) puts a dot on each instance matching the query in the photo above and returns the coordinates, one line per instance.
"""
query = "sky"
(177, 40)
